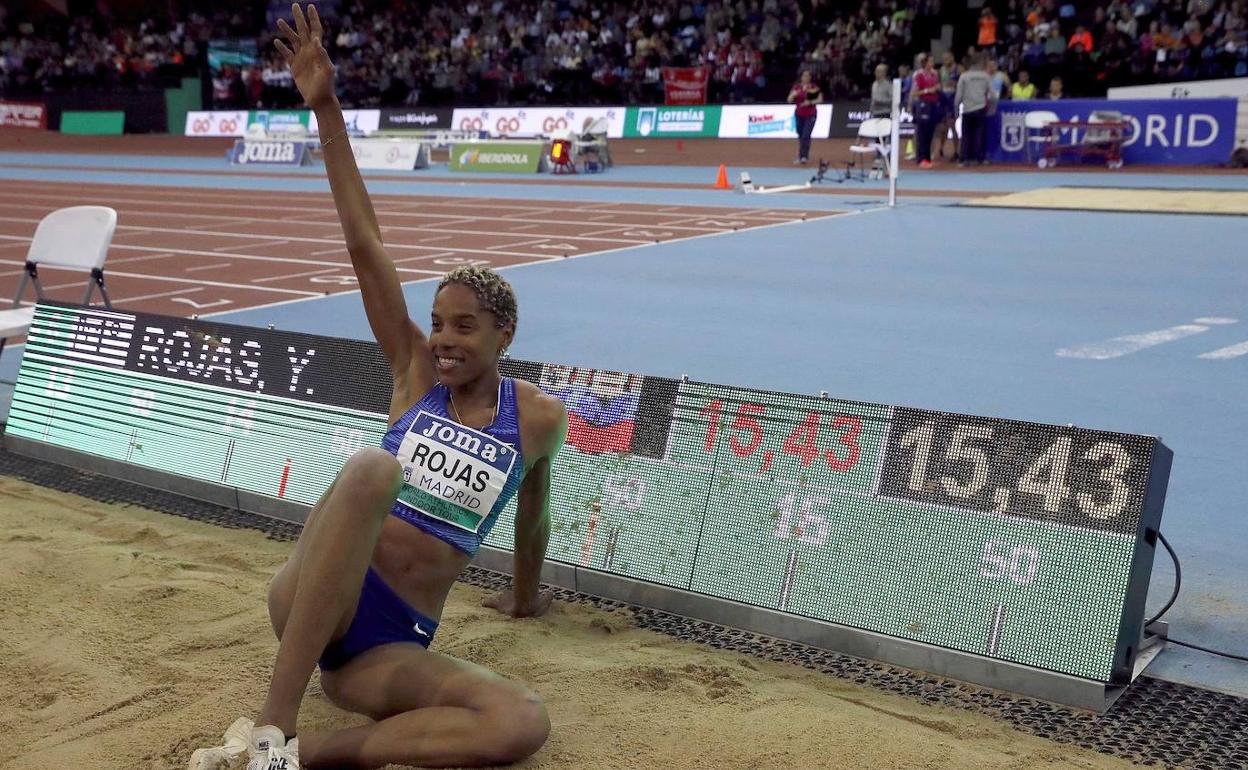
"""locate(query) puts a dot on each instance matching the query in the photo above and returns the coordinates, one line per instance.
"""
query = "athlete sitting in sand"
(366, 584)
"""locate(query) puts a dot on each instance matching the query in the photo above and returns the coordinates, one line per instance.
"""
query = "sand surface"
(1122, 199)
(130, 637)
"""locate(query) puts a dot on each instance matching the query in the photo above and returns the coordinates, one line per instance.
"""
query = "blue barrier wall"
(1177, 131)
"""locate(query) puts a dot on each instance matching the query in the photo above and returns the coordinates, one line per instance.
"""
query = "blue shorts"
(381, 617)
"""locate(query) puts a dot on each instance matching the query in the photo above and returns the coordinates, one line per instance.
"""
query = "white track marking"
(195, 269)
(255, 245)
(297, 275)
(1133, 343)
(643, 218)
(161, 294)
(1230, 351)
(1215, 320)
(646, 245)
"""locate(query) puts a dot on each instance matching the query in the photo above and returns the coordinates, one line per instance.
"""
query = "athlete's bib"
(452, 473)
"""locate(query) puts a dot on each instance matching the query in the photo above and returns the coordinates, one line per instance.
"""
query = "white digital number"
(1047, 475)
(1019, 564)
(347, 441)
(959, 450)
(59, 380)
(141, 402)
(625, 492)
(920, 439)
(800, 521)
(1119, 462)
(240, 416)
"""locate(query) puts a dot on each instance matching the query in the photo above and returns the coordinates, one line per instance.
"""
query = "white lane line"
(1230, 351)
(1215, 320)
(1133, 343)
(434, 239)
(226, 221)
(251, 245)
(322, 252)
(548, 259)
(158, 296)
(642, 219)
(197, 268)
(296, 275)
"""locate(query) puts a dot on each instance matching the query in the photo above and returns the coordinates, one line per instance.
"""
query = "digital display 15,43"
(1014, 540)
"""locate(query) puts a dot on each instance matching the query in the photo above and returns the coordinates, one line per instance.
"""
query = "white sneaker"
(237, 739)
(270, 751)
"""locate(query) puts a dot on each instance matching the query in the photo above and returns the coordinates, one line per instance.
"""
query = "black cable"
(1178, 580)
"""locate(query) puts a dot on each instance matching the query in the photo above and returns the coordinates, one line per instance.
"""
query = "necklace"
(451, 400)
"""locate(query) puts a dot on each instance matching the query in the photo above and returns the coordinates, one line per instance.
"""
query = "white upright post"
(895, 144)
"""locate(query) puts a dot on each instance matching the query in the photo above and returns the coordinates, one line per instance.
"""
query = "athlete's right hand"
(306, 56)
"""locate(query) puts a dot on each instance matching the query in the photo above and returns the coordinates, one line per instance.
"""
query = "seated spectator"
(1023, 88)
(881, 93)
(1055, 88)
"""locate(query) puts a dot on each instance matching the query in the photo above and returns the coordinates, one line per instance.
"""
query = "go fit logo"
(215, 123)
(204, 126)
(501, 126)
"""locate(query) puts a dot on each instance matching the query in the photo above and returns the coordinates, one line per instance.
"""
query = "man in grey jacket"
(974, 96)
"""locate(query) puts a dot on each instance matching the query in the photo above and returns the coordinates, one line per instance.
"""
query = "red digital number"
(745, 421)
(804, 440)
(849, 440)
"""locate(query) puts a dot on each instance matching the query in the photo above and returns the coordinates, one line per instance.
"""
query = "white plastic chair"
(593, 140)
(877, 133)
(1036, 124)
(76, 238)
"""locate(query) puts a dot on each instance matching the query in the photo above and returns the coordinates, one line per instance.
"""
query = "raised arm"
(401, 340)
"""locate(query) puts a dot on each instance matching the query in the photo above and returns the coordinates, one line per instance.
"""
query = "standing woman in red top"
(805, 94)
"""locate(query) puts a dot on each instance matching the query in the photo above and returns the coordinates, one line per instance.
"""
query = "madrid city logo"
(1013, 131)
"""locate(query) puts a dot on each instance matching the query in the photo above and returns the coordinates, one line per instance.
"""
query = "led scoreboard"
(1017, 541)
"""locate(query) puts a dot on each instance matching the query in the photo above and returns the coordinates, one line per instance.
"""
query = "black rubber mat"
(1155, 722)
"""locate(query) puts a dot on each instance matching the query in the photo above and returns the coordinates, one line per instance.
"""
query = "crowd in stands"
(612, 51)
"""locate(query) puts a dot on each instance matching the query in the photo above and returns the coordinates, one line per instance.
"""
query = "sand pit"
(129, 637)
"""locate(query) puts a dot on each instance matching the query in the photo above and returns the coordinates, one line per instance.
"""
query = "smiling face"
(465, 337)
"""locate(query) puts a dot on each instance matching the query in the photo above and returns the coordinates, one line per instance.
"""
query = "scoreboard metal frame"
(1011, 554)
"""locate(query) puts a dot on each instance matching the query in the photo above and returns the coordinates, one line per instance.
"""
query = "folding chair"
(593, 141)
(1036, 124)
(76, 238)
(877, 133)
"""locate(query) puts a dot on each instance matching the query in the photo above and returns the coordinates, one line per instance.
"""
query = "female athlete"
(365, 586)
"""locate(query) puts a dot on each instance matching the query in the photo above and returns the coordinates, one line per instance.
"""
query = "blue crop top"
(456, 480)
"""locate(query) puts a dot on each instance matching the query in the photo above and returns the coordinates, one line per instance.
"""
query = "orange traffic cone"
(721, 181)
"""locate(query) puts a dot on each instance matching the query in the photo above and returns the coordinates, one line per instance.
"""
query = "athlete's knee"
(519, 725)
(369, 472)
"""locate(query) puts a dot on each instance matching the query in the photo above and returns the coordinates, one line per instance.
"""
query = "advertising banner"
(685, 85)
(279, 121)
(1233, 87)
(520, 157)
(1180, 131)
(269, 153)
(526, 122)
(671, 122)
(769, 121)
(23, 114)
(358, 121)
(218, 123)
(415, 117)
(848, 116)
(389, 154)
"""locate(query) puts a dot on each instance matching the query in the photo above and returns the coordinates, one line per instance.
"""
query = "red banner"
(685, 85)
(23, 115)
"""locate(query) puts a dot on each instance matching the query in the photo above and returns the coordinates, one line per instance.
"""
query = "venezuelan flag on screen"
(597, 424)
